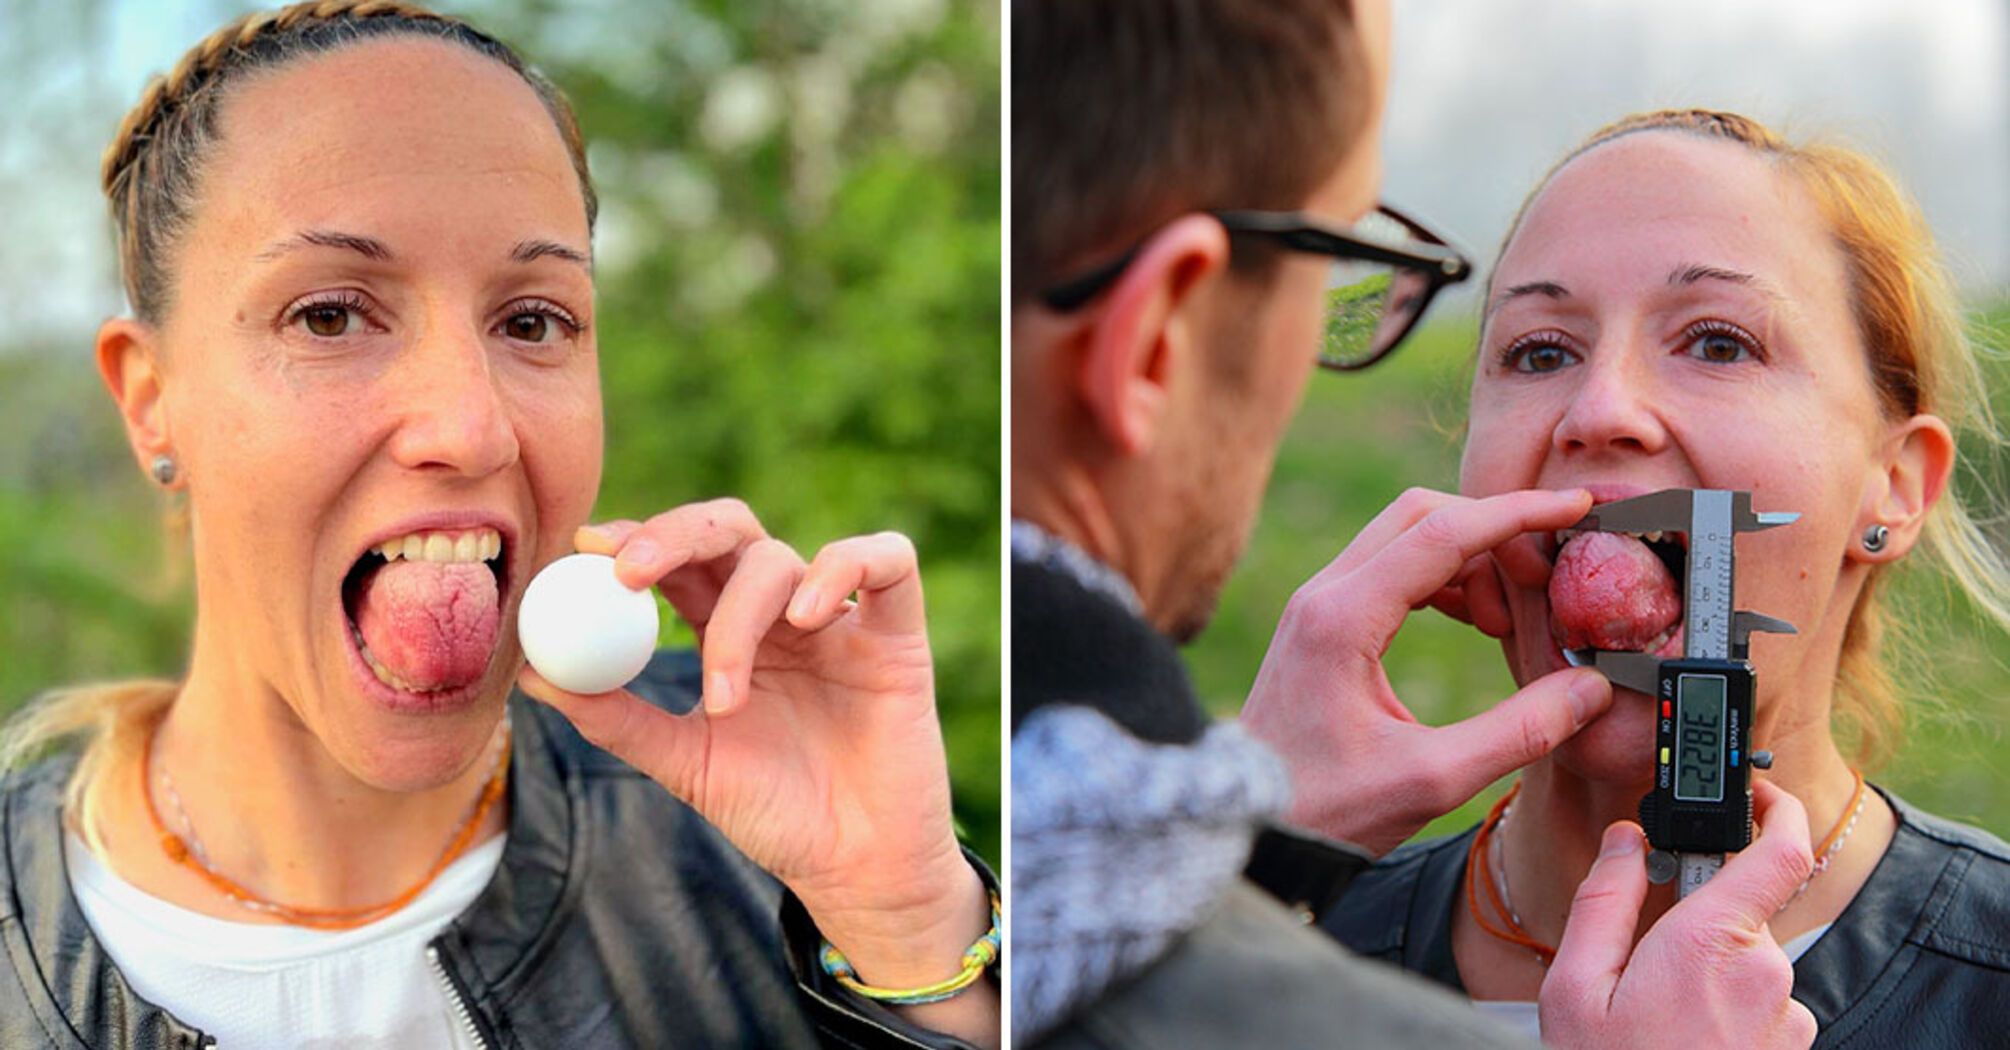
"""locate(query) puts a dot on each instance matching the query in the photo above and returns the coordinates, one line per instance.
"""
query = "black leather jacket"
(617, 918)
(1920, 959)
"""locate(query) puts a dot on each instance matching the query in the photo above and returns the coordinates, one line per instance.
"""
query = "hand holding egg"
(818, 697)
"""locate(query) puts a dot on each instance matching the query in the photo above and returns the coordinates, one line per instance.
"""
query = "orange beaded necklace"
(180, 852)
(1479, 871)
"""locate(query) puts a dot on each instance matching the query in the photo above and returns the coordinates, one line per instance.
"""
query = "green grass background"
(1360, 440)
(805, 316)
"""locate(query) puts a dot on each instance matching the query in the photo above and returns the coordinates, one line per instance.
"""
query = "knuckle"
(1777, 978)
(1791, 863)
(1562, 989)
(1801, 1026)
(730, 512)
(1305, 612)
(898, 543)
(832, 551)
(770, 550)
(1534, 736)
(1591, 895)
(1437, 529)
(1700, 947)
(1416, 500)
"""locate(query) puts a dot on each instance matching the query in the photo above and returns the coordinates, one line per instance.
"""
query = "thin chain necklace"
(1483, 859)
(186, 848)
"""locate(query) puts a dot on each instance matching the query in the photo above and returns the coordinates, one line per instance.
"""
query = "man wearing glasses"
(1195, 225)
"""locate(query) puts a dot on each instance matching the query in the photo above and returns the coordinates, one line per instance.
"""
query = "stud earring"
(1874, 538)
(163, 470)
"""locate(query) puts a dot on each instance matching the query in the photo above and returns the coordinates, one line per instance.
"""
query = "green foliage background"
(1360, 440)
(798, 279)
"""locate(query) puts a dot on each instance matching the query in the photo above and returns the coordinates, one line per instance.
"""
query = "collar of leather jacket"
(46, 935)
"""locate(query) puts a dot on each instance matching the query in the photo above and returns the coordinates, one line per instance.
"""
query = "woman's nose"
(454, 414)
(1615, 408)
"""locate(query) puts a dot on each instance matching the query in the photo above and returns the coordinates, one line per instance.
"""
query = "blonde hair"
(1920, 359)
(151, 175)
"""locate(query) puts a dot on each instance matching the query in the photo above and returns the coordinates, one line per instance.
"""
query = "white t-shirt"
(252, 986)
(1521, 1015)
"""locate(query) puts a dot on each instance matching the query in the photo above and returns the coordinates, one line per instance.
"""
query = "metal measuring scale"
(1701, 805)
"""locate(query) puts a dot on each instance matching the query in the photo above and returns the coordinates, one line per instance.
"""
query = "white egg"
(581, 629)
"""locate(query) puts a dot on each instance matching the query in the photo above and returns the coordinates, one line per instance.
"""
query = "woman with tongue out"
(1688, 301)
(355, 238)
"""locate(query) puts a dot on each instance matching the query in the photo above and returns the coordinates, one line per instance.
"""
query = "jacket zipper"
(461, 1008)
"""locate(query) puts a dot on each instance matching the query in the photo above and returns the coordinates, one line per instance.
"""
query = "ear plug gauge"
(582, 630)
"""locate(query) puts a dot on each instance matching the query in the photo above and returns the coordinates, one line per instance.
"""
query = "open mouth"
(1617, 592)
(424, 609)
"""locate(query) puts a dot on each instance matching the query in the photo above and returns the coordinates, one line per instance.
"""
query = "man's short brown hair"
(1129, 113)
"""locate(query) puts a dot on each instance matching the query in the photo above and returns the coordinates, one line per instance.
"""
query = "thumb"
(1598, 936)
(667, 748)
(1522, 728)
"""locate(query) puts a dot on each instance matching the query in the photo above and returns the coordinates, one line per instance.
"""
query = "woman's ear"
(129, 363)
(1146, 330)
(1917, 464)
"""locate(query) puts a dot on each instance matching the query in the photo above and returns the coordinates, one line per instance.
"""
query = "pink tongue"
(429, 623)
(1610, 592)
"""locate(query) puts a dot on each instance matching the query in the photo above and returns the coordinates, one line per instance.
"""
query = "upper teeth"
(473, 545)
(1566, 535)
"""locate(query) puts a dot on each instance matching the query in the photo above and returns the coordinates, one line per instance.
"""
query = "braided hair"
(152, 167)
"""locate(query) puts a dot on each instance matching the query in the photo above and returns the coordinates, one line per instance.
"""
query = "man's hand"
(1362, 768)
(1708, 974)
(817, 750)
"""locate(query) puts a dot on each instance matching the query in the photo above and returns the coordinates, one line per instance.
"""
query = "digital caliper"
(1701, 805)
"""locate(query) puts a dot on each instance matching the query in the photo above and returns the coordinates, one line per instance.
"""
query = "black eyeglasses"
(1385, 272)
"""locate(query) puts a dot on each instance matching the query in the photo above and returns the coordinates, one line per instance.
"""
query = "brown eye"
(527, 327)
(1719, 343)
(1719, 348)
(1545, 359)
(327, 321)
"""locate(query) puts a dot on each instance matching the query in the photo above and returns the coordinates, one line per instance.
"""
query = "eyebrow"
(1687, 275)
(1546, 289)
(372, 248)
(527, 251)
(369, 247)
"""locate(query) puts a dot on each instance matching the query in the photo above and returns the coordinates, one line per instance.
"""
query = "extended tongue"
(1609, 591)
(431, 624)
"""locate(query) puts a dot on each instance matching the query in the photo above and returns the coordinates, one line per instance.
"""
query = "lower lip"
(398, 701)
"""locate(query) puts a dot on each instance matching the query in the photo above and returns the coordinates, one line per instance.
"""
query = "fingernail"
(600, 531)
(1588, 696)
(718, 693)
(1620, 841)
(806, 603)
(640, 552)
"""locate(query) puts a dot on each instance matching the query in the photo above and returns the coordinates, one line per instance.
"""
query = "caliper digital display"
(1699, 737)
(1702, 797)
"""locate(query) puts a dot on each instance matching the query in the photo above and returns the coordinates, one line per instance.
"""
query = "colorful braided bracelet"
(976, 959)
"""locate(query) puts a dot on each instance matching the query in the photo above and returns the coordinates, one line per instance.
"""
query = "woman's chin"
(392, 750)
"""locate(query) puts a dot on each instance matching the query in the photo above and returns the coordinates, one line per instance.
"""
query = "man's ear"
(129, 363)
(1146, 330)
(1916, 467)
